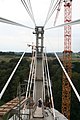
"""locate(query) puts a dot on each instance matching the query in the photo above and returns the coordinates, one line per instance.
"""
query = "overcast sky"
(14, 38)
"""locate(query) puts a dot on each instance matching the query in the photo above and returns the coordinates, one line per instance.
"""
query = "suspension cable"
(29, 2)
(46, 76)
(33, 72)
(26, 7)
(52, 10)
(75, 22)
(3, 20)
(72, 85)
(50, 88)
(50, 7)
(28, 11)
(55, 7)
(43, 77)
(34, 89)
(58, 10)
(8, 81)
(29, 78)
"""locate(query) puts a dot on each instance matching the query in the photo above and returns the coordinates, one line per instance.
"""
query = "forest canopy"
(7, 64)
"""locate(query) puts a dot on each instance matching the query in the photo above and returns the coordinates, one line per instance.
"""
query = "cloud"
(15, 38)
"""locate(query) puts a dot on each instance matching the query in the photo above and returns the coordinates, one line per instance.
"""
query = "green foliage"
(56, 77)
(22, 73)
(76, 67)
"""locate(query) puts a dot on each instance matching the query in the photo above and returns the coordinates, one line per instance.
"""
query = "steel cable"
(3, 20)
(8, 81)
(50, 7)
(75, 22)
(58, 10)
(52, 10)
(71, 83)
(29, 2)
(28, 11)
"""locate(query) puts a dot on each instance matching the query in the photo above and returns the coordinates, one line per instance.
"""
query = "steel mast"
(66, 88)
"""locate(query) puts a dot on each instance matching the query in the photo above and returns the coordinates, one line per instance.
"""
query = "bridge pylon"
(39, 32)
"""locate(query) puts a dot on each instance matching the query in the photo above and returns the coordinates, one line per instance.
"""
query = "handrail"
(50, 89)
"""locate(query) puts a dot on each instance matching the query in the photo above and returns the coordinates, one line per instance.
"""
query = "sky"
(15, 39)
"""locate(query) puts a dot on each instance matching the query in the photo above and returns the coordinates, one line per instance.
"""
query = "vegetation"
(8, 63)
(56, 77)
(6, 67)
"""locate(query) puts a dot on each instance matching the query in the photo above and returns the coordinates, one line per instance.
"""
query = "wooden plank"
(9, 106)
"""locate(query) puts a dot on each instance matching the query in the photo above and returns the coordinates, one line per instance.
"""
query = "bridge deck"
(38, 113)
(47, 115)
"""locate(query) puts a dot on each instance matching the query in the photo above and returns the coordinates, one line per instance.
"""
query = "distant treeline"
(20, 53)
(15, 53)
